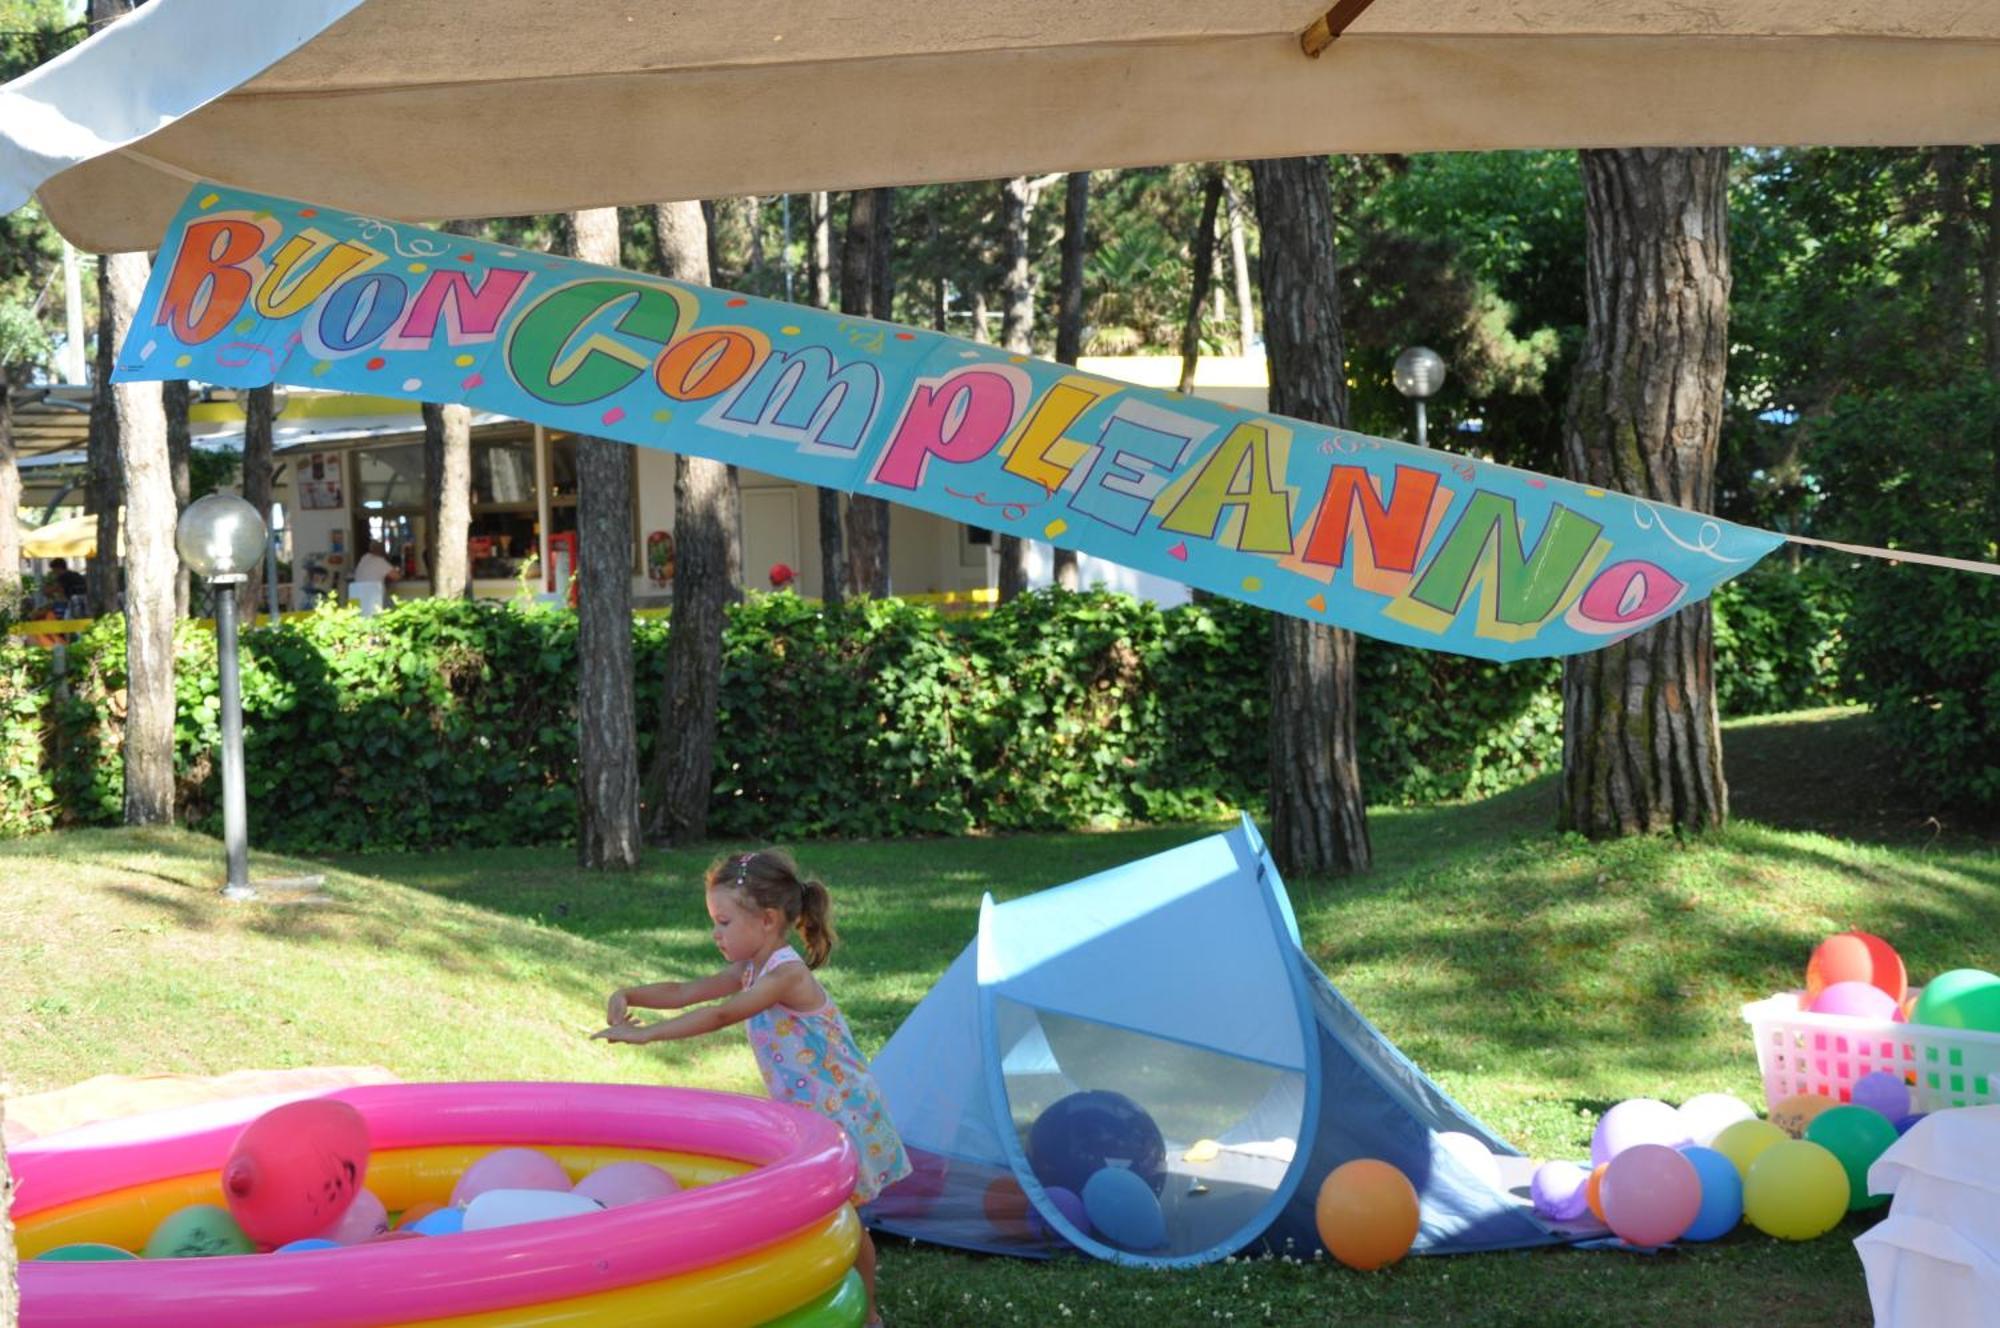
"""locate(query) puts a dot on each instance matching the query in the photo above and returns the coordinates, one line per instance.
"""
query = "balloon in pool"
(509, 1169)
(1967, 998)
(1743, 1142)
(1855, 956)
(307, 1245)
(85, 1252)
(1476, 1156)
(619, 1183)
(1124, 1209)
(1794, 1113)
(513, 1208)
(1651, 1194)
(1795, 1191)
(1639, 1120)
(1904, 1123)
(1856, 1136)
(1709, 1114)
(199, 1231)
(364, 1219)
(416, 1213)
(1882, 1092)
(295, 1169)
(1721, 1194)
(1856, 1000)
(1558, 1191)
(444, 1222)
(1366, 1213)
(1080, 1135)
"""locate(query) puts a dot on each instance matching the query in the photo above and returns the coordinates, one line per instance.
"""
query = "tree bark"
(683, 770)
(1069, 316)
(1239, 262)
(819, 256)
(1017, 333)
(176, 400)
(10, 506)
(150, 568)
(1319, 822)
(104, 489)
(448, 497)
(1641, 746)
(607, 750)
(1203, 275)
(259, 421)
(861, 285)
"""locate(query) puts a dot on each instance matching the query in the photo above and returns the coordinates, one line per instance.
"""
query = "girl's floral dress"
(810, 1058)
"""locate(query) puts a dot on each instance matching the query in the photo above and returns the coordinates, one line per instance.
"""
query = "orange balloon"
(1006, 1206)
(1592, 1192)
(1792, 1114)
(1367, 1214)
(1855, 956)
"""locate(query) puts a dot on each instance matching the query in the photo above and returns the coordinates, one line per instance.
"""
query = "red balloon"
(295, 1170)
(1856, 956)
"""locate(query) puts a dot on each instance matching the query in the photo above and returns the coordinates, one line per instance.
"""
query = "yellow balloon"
(1796, 1190)
(1794, 1113)
(1743, 1140)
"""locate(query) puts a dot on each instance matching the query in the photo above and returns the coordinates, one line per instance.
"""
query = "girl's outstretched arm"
(785, 984)
(672, 995)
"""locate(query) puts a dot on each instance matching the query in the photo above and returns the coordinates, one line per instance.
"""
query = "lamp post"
(221, 537)
(1419, 373)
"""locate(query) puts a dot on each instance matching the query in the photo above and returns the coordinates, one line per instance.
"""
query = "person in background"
(68, 590)
(375, 566)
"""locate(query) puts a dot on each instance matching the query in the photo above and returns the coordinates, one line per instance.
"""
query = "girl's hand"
(615, 1011)
(625, 1032)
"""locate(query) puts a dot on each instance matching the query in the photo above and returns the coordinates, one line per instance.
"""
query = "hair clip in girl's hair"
(742, 868)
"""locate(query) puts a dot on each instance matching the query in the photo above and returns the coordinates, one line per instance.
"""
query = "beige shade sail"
(71, 537)
(431, 109)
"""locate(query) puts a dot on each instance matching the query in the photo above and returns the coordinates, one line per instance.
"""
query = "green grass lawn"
(1539, 978)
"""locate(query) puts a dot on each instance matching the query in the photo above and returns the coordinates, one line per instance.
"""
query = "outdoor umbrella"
(431, 109)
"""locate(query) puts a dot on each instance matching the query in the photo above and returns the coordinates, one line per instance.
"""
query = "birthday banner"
(1408, 544)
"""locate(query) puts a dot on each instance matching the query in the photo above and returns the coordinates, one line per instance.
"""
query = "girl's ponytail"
(816, 922)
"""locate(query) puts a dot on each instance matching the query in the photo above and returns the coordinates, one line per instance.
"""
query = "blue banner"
(1408, 544)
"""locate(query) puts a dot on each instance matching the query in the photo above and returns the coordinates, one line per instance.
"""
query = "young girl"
(802, 1043)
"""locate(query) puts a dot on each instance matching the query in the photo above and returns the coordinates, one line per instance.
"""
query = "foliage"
(1781, 638)
(28, 801)
(1921, 470)
(452, 722)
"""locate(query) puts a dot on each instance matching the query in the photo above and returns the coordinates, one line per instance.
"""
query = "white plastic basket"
(1798, 1052)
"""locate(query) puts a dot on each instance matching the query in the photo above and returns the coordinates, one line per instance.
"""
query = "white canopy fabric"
(431, 109)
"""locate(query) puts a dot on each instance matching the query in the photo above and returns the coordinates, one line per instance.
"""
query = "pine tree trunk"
(150, 567)
(861, 280)
(176, 399)
(10, 506)
(1069, 315)
(683, 770)
(607, 748)
(1203, 275)
(104, 491)
(448, 495)
(1641, 746)
(1239, 262)
(819, 261)
(1318, 818)
(259, 466)
(1017, 334)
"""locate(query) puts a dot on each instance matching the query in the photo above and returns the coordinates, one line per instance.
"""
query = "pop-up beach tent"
(1161, 1019)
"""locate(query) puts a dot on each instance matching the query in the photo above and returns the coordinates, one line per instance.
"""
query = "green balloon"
(84, 1253)
(199, 1231)
(1967, 998)
(1855, 1136)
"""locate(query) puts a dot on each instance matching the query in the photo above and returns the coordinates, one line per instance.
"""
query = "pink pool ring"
(765, 1234)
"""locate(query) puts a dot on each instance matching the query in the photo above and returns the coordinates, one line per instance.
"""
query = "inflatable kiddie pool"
(762, 1233)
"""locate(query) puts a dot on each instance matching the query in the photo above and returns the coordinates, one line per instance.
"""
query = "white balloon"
(1709, 1114)
(511, 1208)
(1475, 1155)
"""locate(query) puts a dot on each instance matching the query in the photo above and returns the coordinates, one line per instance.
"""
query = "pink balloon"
(1856, 1000)
(616, 1184)
(509, 1169)
(1651, 1195)
(1638, 1120)
(295, 1169)
(364, 1220)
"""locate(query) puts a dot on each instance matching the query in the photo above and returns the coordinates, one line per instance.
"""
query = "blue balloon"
(1903, 1124)
(307, 1243)
(1124, 1209)
(1721, 1194)
(443, 1222)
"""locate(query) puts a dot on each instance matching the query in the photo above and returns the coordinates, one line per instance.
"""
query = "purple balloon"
(1561, 1191)
(1882, 1091)
(1903, 1125)
(1069, 1203)
(1638, 1120)
(1856, 1000)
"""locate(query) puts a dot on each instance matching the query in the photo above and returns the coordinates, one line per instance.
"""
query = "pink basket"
(1798, 1052)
